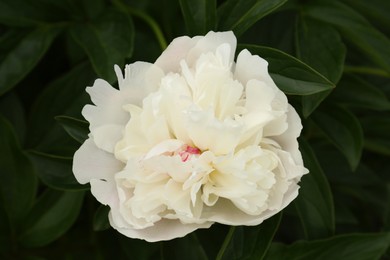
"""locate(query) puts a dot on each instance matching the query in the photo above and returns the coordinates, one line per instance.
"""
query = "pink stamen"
(186, 154)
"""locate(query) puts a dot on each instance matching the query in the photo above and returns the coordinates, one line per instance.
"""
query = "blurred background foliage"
(331, 57)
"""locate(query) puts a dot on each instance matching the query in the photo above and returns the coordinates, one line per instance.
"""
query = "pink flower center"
(188, 152)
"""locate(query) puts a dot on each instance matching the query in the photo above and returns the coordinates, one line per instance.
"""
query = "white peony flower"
(193, 139)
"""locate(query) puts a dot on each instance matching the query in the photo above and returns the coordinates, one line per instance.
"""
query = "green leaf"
(18, 183)
(24, 56)
(319, 46)
(311, 102)
(343, 130)
(64, 96)
(240, 15)
(377, 133)
(107, 41)
(55, 171)
(357, 92)
(76, 128)
(346, 247)
(252, 242)
(377, 12)
(290, 74)
(315, 203)
(50, 218)
(354, 28)
(199, 16)
(100, 219)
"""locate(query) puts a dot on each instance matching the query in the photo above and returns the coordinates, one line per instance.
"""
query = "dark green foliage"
(331, 57)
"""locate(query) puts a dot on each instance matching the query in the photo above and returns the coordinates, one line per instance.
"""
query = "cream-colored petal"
(288, 140)
(249, 67)
(106, 136)
(208, 133)
(177, 50)
(162, 230)
(89, 162)
(104, 191)
(209, 43)
(141, 79)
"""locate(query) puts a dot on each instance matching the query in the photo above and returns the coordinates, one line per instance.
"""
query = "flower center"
(188, 152)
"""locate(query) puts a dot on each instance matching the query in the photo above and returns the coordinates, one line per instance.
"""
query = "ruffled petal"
(288, 140)
(209, 43)
(177, 50)
(162, 230)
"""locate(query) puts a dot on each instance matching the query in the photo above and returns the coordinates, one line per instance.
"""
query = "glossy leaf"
(315, 202)
(55, 171)
(64, 96)
(377, 133)
(290, 74)
(18, 182)
(240, 15)
(107, 41)
(199, 16)
(377, 12)
(357, 92)
(347, 247)
(343, 130)
(319, 46)
(52, 215)
(354, 28)
(76, 128)
(252, 242)
(24, 56)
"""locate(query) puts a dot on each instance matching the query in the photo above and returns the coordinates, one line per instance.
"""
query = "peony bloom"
(193, 139)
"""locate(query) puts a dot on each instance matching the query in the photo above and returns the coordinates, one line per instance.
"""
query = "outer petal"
(225, 212)
(162, 230)
(104, 191)
(141, 79)
(250, 66)
(89, 163)
(288, 140)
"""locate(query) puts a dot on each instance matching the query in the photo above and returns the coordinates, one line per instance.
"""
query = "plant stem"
(367, 70)
(147, 19)
(225, 243)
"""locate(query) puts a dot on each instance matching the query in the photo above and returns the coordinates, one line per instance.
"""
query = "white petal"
(259, 96)
(169, 145)
(250, 66)
(104, 191)
(161, 231)
(208, 133)
(89, 162)
(209, 43)
(288, 140)
(177, 50)
(106, 136)
(141, 79)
